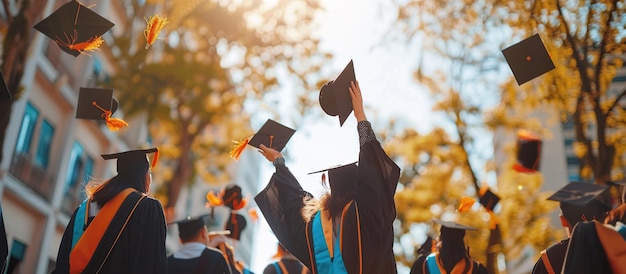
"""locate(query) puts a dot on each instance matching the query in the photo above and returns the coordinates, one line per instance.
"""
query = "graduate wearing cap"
(350, 229)
(596, 248)
(618, 214)
(285, 263)
(578, 203)
(118, 228)
(451, 256)
(195, 256)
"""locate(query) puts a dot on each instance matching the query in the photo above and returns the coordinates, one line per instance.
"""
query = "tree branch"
(619, 97)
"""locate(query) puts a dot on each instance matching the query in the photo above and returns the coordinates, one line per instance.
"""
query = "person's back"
(195, 256)
(119, 229)
(452, 257)
(573, 211)
(285, 263)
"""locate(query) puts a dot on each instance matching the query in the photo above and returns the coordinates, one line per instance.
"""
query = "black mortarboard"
(273, 135)
(489, 200)
(340, 176)
(528, 152)
(189, 227)
(5, 93)
(528, 59)
(453, 225)
(73, 23)
(92, 101)
(129, 161)
(581, 202)
(232, 197)
(577, 193)
(335, 96)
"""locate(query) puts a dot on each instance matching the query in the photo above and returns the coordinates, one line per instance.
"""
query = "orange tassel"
(114, 124)
(213, 199)
(493, 220)
(155, 158)
(253, 214)
(466, 204)
(89, 45)
(237, 148)
(154, 26)
(237, 205)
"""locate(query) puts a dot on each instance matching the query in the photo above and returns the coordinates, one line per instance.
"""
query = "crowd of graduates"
(120, 228)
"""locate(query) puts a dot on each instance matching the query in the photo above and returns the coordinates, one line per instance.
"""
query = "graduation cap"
(236, 223)
(335, 96)
(272, 134)
(452, 232)
(528, 152)
(489, 199)
(340, 176)
(453, 225)
(132, 160)
(99, 104)
(528, 59)
(5, 93)
(581, 201)
(75, 28)
(233, 198)
(189, 227)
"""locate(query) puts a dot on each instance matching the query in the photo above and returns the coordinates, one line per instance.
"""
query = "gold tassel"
(253, 214)
(466, 204)
(154, 26)
(114, 124)
(213, 199)
(237, 148)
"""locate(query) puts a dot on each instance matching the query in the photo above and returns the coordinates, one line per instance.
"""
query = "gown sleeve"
(281, 203)
(376, 185)
(63, 256)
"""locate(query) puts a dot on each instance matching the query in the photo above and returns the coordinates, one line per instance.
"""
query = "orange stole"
(87, 244)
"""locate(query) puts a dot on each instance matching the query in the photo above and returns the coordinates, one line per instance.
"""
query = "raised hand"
(357, 101)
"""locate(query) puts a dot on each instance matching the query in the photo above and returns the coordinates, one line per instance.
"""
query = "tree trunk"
(184, 170)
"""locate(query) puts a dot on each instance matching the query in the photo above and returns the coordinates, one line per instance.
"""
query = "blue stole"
(431, 262)
(79, 222)
(323, 262)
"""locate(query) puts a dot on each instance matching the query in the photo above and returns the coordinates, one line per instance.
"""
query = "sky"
(352, 30)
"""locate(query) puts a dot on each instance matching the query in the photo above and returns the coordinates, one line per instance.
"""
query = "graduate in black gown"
(195, 256)
(285, 263)
(357, 215)
(118, 228)
(451, 256)
(578, 203)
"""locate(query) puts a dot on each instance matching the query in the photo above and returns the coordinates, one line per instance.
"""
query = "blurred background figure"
(220, 241)
(285, 263)
(195, 256)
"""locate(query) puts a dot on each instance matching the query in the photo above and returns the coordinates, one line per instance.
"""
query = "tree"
(193, 84)
(591, 37)
(461, 38)
(15, 47)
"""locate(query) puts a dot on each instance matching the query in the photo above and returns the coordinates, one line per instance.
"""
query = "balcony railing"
(33, 176)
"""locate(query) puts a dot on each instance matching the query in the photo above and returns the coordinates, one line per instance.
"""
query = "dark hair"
(453, 249)
(594, 210)
(131, 179)
(337, 200)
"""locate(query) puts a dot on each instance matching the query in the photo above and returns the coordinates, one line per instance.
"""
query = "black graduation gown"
(140, 248)
(210, 261)
(4, 247)
(585, 253)
(556, 255)
(292, 265)
(282, 199)
(419, 266)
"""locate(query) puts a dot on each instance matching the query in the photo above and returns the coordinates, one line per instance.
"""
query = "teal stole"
(79, 222)
(324, 263)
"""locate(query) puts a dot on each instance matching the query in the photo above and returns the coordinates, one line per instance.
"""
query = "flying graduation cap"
(335, 97)
(132, 160)
(272, 134)
(75, 28)
(99, 104)
(5, 93)
(528, 59)
(528, 152)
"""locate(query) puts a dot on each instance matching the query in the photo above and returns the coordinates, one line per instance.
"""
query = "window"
(78, 173)
(45, 142)
(27, 128)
